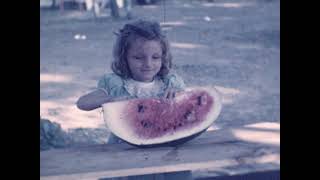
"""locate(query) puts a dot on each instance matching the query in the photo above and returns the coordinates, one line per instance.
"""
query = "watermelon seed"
(141, 108)
(199, 100)
(202, 100)
(186, 115)
(190, 116)
(146, 124)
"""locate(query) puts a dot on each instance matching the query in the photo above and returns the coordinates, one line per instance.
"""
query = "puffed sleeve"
(110, 83)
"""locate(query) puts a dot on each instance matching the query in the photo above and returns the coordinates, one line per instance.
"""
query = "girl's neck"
(138, 81)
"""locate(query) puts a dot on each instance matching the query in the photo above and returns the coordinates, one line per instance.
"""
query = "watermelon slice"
(152, 122)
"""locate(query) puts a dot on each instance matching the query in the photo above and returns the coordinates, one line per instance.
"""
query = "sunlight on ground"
(150, 7)
(172, 23)
(227, 5)
(260, 135)
(187, 45)
(69, 116)
(227, 94)
(189, 18)
(187, 6)
(45, 3)
(226, 18)
(264, 133)
(271, 158)
(75, 14)
(61, 108)
(55, 78)
(213, 128)
(265, 126)
(247, 46)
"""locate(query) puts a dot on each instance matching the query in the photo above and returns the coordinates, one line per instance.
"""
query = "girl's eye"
(137, 57)
(156, 58)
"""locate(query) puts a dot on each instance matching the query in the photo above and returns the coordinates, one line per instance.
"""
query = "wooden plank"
(256, 147)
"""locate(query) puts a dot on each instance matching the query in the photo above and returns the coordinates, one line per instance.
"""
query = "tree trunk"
(114, 9)
(54, 3)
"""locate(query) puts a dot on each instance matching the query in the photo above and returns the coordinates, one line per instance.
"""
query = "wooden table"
(253, 147)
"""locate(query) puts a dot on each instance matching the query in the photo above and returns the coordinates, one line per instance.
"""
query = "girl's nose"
(148, 62)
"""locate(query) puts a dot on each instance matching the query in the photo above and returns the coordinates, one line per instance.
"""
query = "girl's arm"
(93, 100)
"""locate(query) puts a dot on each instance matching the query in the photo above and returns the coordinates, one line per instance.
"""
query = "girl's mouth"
(146, 70)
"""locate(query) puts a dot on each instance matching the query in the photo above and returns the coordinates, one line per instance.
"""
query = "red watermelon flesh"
(151, 118)
(151, 122)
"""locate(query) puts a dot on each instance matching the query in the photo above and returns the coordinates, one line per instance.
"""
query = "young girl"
(141, 68)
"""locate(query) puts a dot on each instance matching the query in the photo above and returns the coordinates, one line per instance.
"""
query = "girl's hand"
(170, 94)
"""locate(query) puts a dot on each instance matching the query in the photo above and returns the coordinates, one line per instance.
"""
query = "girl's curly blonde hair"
(127, 35)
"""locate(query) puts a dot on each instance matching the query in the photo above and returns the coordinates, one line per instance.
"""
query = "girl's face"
(144, 59)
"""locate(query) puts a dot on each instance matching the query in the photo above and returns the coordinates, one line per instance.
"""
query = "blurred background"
(232, 45)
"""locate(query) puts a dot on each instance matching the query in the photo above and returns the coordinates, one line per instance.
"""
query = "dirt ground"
(233, 45)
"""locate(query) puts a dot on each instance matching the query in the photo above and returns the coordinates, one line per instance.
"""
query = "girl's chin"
(145, 79)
